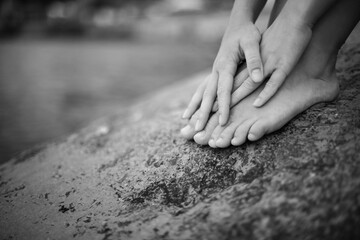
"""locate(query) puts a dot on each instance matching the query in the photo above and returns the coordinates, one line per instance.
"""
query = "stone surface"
(131, 176)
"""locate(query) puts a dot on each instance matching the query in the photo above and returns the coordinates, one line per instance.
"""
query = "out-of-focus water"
(49, 88)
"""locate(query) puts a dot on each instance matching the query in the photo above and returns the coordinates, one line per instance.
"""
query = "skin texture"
(312, 81)
(240, 42)
(282, 45)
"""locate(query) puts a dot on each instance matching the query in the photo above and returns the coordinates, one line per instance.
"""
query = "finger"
(240, 78)
(226, 66)
(244, 90)
(225, 86)
(242, 75)
(271, 87)
(251, 51)
(269, 67)
(215, 107)
(207, 101)
(196, 99)
(241, 66)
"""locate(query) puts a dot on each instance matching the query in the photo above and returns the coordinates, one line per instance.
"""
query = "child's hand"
(237, 45)
(282, 45)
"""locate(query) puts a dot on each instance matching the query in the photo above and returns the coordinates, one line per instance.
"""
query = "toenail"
(219, 140)
(200, 134)
(251, 137)
(185, 129)
(212, 142)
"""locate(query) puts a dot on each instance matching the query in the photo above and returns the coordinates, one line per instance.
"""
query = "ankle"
(324, 59)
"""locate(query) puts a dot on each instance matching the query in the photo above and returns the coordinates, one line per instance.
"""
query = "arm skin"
(303, 12)
(280, 49)
(307, 11)
(245, 10)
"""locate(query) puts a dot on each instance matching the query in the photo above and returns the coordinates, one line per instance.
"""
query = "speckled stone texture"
(131, 176)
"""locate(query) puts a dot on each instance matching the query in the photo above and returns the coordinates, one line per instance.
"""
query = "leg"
(283, 43)
(312, 81)
(204, 136)
(278, 6)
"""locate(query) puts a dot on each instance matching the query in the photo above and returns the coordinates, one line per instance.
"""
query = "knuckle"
(221, 63)
(248, 84)
(243, 74)
(272, 59)
(250, 38)
(237, 82)
(281, 63)
(206, 95)
(222, 91)
(270, 87)
(253, 62)
(282, 71)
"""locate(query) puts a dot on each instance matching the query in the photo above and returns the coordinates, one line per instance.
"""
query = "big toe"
(258, 130)
(203, 137)
(187, 132)
(215, 135)
(241, 133)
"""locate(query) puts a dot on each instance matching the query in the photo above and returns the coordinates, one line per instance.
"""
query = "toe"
(215, 135)
(241, 133)
(187, 132)
(226, 136)
(257, 130)
(212, 143)
(204, 136)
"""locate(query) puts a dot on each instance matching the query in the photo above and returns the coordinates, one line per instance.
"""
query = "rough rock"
(131, 176)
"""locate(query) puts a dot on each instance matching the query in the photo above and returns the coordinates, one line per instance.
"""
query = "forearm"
(245, 11)
(306, 11)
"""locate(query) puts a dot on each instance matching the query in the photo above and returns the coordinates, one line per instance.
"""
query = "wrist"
(246, 10)
(305, 12)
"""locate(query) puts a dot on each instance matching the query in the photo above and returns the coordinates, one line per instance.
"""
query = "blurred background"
(65, 63)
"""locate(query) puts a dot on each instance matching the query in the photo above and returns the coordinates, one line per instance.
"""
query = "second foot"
(299, 92)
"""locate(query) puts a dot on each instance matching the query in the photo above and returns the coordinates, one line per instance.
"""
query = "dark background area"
(66, 63)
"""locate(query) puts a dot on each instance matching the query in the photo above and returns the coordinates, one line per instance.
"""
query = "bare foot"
(313, 81)
(201, 138)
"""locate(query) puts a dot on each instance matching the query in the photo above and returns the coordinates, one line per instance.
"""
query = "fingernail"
(186, 113)
(197, 126)
(256, 75)
(257, 102)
